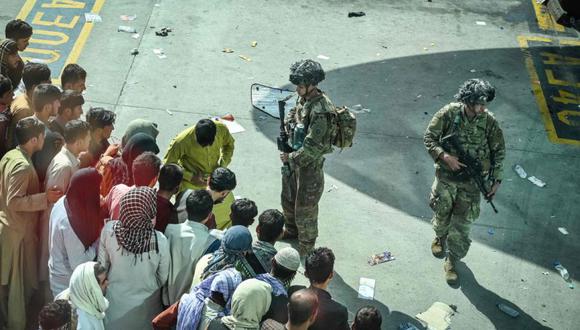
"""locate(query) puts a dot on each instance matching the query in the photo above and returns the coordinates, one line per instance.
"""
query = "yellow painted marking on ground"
(539, 93)
(545, 20)
(565, 115)
(25, 10)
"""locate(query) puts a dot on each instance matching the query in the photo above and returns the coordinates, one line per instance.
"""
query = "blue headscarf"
(236, 242)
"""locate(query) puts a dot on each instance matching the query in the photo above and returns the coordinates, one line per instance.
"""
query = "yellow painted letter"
(64, 4)
(38, 20)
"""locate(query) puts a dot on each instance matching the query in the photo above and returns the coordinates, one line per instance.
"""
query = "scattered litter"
(333, 187)
(563, 230)
(425, 113)
(163, 32)
(128, 17)
(128, 29)
(537, 181)
(552, 216)
(227, 50)
(480, 23)
(135, 36)
(419, 96)
(357, 108)
(245, 58)
(425, 48)
(407, 326)
(473, 71)
(134, 51)
(323, 57)
(174, 86)
(160, 53)
(508, 310)
(546, 273)
(262, 117)
(380, 258)
(356, 14)
(232, 125)
(93, 18)
(520, 171)
(491, 231)
(438, 316)
(563, 271)
(169, 112)
(432, 44)
(157, 5)
(366, 288)
(571, 285)
(254, 43)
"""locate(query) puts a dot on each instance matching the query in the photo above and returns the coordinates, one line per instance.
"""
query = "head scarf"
(278, 288)
(85, 292)
(135, 231)
(137, 144)
(235, 243)
(191, 304)
(264, 252)
(8, 47)
(140, 126)
(83, 207)
(250, 303)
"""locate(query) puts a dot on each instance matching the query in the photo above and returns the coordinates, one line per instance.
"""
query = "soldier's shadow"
(486, 302)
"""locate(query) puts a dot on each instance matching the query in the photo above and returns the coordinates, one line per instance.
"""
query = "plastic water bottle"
(298, 136)
(563, 271)
(128, 29)
(508, 310)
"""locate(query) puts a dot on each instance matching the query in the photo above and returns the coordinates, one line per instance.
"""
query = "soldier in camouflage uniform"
(454, 197)
(309, 126)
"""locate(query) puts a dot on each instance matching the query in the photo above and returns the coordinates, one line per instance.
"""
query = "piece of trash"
(254, 43)
(419, 96)
(407, 326)
(160, 53)
(563, 230)
(128, 17)
(520, 171)
(537, 181)
(333, 187)
(135, 35)
(245, 58)
(473, 71)
(562, 270)
(425, 48)
(480, 23)
(380, 258)
(227, 50)
(163, 32)
(134, 51)
(323, 57)
(491, 231)
(508, 310)
(552, 216)
(232, 125)
(128, 29)
(432, 44)
(438, 316)
(93, 18)
(169, 112)
(546, 273)
(357, 108)
(356, 14)
(157, 5)
(366, 288)
(571, 285)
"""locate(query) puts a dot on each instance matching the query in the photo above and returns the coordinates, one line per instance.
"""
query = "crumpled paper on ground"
(437, 317)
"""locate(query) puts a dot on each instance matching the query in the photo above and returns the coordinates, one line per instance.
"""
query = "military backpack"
(344, 129)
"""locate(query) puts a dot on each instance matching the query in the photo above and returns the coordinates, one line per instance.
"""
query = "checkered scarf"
(135, 231)
(8, 47)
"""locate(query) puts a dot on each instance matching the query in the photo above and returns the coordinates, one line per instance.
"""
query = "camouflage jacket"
(315, 115)
(481, 138)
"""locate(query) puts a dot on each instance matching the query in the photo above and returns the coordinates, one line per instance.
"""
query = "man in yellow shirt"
(200, 150)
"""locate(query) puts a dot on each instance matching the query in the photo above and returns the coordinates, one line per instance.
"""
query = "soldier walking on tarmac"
(455, 197)
(309, 127)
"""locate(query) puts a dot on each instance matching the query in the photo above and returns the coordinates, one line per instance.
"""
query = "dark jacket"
(331, 314)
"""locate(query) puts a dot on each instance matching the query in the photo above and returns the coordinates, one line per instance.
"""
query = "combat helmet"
(306, 72)
(475, 91)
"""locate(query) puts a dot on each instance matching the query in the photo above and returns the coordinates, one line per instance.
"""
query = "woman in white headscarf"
(86, 295)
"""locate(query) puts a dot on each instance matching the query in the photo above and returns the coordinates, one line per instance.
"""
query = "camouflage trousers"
(456, 207)
(301, 192)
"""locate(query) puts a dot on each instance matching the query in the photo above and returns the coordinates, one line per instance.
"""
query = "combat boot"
(437, 247)
(450, 274)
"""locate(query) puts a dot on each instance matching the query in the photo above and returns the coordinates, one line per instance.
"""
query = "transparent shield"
(265, 98)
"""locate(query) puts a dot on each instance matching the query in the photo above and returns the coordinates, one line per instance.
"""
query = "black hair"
(145, 168)
(72, 73)
(75, 130)
(367, 318)
(199, 205)
(243, 212)
(5, 85)
(170, 177)
(28, 128)
(99, 118)
(70, 99)
(319, 265)
(475, 91)
(282, 273)
(271, 223)
(301, 305)
(55, 315)
(44, 94)
(34, 74)
(205, 131)
(222, 179)
(17, 29)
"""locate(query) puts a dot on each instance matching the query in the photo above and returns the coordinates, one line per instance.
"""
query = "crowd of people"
(110, 236)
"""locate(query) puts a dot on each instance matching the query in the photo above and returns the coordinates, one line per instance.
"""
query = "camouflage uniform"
(302, 187)
(454, 199)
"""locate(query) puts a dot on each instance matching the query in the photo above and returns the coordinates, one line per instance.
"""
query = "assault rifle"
(282, 140)
(472, 169)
